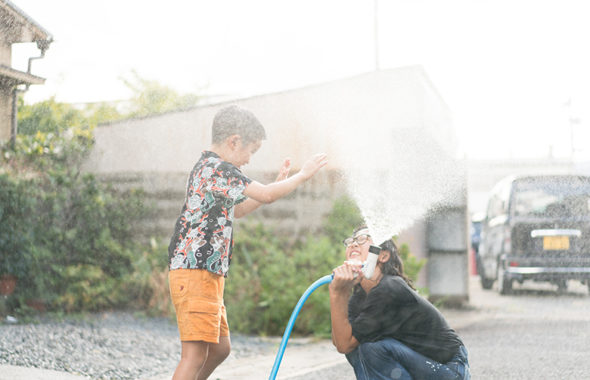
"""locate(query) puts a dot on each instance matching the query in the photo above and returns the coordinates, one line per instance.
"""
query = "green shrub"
(67, 236)
(146, 286)
(317, 258)
(15, 207)
(412, 265)
(259, 258)
(269, 274)
(86, 287)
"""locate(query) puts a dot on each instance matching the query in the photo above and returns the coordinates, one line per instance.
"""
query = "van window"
(495, 206)
(552, 197)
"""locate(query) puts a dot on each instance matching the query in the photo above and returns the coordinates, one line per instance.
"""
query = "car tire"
(486, 283)
(562, 286)
(504, 284)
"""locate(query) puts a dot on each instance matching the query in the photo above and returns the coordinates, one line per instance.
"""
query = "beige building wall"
(5, 94)
(15, 27)
(158, 152)
(299, 123)
(5, 113)
(5, 53)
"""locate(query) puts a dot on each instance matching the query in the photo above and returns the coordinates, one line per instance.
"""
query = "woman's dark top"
(394, 310)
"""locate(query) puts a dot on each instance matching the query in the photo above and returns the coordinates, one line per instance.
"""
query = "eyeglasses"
(360, 240)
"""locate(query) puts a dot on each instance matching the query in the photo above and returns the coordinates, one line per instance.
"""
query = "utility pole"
(376, 33)
(572, 122)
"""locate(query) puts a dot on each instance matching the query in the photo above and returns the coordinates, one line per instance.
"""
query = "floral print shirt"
(203, 236)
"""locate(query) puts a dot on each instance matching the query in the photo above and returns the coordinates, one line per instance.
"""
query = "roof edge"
(41, 30)
(21, 77)
(418, 68)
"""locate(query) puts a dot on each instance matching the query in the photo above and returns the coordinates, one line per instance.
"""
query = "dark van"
(536, 228)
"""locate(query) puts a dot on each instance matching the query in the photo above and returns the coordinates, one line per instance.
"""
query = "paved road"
(535, 333)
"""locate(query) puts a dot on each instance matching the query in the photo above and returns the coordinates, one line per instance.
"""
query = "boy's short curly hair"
(234, 120)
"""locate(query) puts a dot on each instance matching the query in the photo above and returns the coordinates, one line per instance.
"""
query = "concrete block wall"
(447, 240)
(299, 212)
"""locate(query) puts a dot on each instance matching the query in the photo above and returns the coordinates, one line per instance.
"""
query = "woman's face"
(358, 245)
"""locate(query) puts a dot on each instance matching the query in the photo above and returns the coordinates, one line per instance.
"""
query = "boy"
(200, 248)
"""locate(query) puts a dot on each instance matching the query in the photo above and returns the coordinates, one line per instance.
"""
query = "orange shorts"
(197, 295)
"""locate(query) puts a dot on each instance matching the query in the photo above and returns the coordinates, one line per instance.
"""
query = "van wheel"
(504, 284)
(562, 286)
(486, 283)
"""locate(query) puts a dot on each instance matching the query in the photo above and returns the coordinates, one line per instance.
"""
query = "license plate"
(556, 243)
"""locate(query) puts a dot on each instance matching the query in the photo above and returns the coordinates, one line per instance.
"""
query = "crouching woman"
(386, 329)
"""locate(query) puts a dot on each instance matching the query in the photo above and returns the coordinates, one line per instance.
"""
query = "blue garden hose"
(323, 280)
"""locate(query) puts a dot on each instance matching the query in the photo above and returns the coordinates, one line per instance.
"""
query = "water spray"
(368, 268)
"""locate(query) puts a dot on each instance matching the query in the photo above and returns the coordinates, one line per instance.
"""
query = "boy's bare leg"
(192, 358)
(217, 354)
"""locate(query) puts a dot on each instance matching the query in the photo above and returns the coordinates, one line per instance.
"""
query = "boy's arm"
(340, 288)
(246, 207)
(271, 192)
(250, 204)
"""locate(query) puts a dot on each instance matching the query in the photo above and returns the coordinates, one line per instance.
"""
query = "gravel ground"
(106, 345)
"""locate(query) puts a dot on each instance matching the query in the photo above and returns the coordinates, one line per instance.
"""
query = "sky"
(514, 73)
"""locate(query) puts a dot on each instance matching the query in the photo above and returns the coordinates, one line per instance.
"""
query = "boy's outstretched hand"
(314, 164)
(284, 170)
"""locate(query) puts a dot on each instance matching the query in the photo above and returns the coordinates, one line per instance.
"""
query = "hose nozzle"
(371, 263)
(368, 266)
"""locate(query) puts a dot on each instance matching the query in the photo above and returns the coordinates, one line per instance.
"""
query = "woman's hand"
(344, 277)
(340, 287)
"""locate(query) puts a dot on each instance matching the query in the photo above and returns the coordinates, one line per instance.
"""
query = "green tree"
(151, 97)
(342, 219)
(99, 113)
(48, 116)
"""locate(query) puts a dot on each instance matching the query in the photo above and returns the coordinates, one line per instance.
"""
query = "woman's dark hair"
(394, 266)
